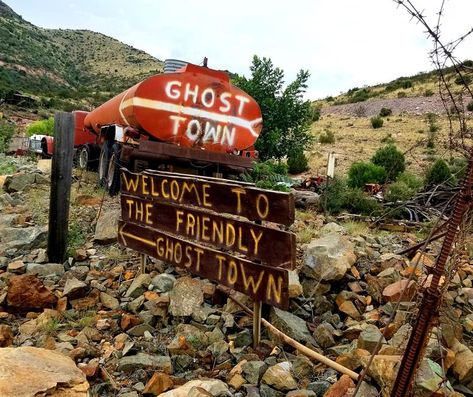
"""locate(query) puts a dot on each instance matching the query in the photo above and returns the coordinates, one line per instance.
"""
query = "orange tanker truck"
(188, 119)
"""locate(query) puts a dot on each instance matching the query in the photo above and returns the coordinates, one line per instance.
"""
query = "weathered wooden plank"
(61, 179)
(273, 247)
(260, 282)
(218, 196)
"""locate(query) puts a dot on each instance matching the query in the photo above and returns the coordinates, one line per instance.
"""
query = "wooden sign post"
(225, 231)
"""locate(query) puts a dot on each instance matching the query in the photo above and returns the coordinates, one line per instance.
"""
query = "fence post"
(61, 179)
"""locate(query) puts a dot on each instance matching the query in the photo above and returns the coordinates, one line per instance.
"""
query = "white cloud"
(343, 43)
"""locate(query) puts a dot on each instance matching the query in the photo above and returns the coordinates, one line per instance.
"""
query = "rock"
(17, 267)
(138, 286)
(340, 388)
(109, 301)
(23, 238)
(328, 258)
(295, 287)
(159, 383)
(253, 371)
(19, 182)
(393, 292)
(31, 371)
(383, 370)
(369, 338)
(163, 282)
(74, 288)
(185, 297)
(199, 392)
(301, 393)
(349, 308)
(319, 387)
(333, 227)
(463, 365)
(429, 380)
(305, 198)
(106, 230)
(290, 324)
(187, 339)
(45, 269)
(140, 329)
(218, 348)
(323, 335)
(267, 391)
(6, 335)
(302, 367)
(214, 386)
(236, 381)
(145, 361)
(44, 165)
(279, 376)
(28, 292)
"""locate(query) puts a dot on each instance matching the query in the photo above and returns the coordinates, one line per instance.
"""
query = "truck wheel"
(103, 164)
(113, 174)
(83, 158)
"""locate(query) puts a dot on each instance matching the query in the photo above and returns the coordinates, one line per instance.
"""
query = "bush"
(391, 160)
(7, 131)
(376, 122)
(297, 162)
(327, 137)
(333, 197)
(464, 79)
(401, 94)
(269, 174)
(458, 167)
(358, 202)
(406, 186)
(315, 113)
(41, 127)
(428, 92)
(469, 107)
(384, 112)
(361, 173)
(438, 173)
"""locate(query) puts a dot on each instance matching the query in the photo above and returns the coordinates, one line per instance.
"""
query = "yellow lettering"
(148, 211)
(179, 220)
(230, 235)
(188, 187)
(169, 250)
(159, 247)
(199, 254)
(262, 213)
(132, 183)
(256, 239)
(240, 241)
(206, 195)
(205, 228)
(217, 232)
(139, 211)
(250, 281)
(163, 182)
(154, 193)
(190, 226)
(175, 190)
(238, 191)
(232, 273)
(188, 256)
(178, 253)
(274, 292)
(221, 261)
(144, 184)
(129, 202)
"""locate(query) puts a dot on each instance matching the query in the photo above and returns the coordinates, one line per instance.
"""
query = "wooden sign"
(212, 194)
(271, 246)
(197, 223)
(260, 282)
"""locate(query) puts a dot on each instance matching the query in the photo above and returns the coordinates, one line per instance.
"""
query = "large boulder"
(19, 182)
(329, 257)
(27, 292)
(23, 238)
(31, 371)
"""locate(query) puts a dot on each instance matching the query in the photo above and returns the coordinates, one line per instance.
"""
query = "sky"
(343, 43)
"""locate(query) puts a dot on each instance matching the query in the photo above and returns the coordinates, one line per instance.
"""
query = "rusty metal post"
(428, 311)
(257, 305)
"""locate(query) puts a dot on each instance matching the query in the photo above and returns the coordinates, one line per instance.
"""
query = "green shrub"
(361, 173)
(327, 137)
(376, 122)
(458, 167)
(406, 186)
(464, 79)
(269, 174)
(358, 202)
(438, 173)
(388, 139)
(7, 131)
(469, 107)
(315, 113)
(428, 92)
(401, 94)
(391, 160)
(384, 112)
(333, 197)
(41, 127)
(297, 162)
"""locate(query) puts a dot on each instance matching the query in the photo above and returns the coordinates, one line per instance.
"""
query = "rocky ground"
(96, 325)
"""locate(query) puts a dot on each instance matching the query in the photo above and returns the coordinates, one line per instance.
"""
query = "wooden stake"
(301, 348)
(143, 259)
(61, 180)
(257, 305)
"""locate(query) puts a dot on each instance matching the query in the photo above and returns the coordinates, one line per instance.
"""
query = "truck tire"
(113, 174)
(83, 157)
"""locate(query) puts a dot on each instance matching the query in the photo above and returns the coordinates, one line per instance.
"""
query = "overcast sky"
(343, 43)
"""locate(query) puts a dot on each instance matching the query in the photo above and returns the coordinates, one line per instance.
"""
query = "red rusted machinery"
(192, 118)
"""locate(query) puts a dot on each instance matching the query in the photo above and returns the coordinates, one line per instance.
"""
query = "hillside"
(66, 65)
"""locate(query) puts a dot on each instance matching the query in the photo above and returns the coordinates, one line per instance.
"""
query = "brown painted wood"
(273, 247)
(260, 282)
(61, 179)
(218, 196)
